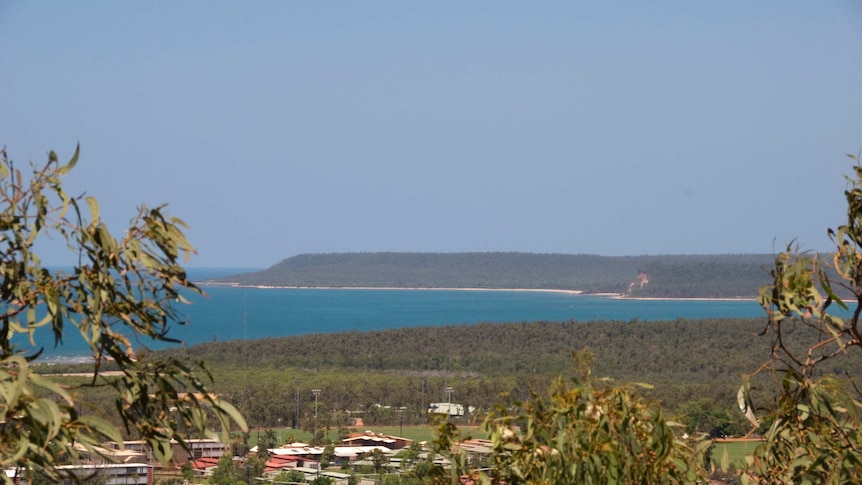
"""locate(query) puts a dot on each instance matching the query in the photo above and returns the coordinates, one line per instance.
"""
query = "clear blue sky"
(613, 128)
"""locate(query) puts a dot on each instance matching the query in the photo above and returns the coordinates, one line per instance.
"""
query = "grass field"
(735, 450)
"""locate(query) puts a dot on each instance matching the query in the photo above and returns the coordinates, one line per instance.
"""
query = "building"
(448, 408)
(476, 450)
(111, 474)
(370, 438)
(131, 462)
(198, 448)
(203, 467)
(306, 456)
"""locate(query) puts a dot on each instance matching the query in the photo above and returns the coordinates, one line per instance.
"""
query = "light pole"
(449, 390)
(297, 381)
(400, 412)
(423, 409)
(316, 393)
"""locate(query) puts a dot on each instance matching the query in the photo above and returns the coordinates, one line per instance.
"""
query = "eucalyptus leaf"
(108, 301)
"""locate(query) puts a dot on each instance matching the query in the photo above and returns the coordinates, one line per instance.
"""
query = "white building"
(113, 474)
(450, 408)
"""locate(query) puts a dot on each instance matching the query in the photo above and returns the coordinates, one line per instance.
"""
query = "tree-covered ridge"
(717, 276)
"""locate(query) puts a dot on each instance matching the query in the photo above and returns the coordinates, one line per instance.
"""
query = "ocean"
(230, 313)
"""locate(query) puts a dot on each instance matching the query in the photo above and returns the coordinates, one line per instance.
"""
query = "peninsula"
(664, 276)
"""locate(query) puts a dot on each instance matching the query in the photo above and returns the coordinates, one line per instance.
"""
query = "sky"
(281, 128)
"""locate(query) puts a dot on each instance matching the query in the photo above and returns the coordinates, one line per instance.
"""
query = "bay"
(230, 313)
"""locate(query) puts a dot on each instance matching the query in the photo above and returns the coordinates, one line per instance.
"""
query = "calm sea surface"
(253, 313)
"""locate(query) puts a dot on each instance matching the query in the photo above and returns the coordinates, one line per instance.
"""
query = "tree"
(290, 476)
(239, 443)
(813, 428)
(411, 453)
(225, 471)
(378, 459)
(582, 432)
(328, 455)
(119, 296)
(170, 481)
(265, 442)
(252, 467)
(229, 472)
(397, 479)
(187, 470)
(427, 471)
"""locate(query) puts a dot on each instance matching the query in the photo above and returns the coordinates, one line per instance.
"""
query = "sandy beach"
(654, 298)
(616, 296)
(237, 285)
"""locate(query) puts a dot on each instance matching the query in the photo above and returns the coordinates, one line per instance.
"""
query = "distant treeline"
(689, 349)
(686, 276)
(688, 361)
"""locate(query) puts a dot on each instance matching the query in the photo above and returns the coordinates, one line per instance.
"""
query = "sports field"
(732, 451)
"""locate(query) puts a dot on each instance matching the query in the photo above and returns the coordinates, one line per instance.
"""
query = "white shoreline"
(694, 298)
(238, 285)
(615, 296)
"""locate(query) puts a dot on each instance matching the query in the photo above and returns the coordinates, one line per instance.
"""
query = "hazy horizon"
(283, 128)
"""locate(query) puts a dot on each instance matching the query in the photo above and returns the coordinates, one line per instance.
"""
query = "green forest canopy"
(686, 360)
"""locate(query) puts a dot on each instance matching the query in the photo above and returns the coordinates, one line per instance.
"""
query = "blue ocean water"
(230, 313)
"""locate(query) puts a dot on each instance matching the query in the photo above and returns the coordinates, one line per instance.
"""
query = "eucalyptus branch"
(120, 293)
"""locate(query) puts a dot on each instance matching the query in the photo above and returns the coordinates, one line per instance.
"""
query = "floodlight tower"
(316, 393)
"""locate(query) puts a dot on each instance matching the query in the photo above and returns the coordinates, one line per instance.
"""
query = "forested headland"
(669, 276)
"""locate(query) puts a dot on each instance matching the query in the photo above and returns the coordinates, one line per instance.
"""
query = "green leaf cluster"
(289, 476)
(813, 426)
(815, 437)
(119, 295)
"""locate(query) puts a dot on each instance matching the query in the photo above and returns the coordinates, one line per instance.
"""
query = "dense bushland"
(694, 366)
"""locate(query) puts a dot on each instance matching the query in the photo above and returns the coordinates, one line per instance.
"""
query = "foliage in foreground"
(118, 296)
(814, 429)
(584, 432)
